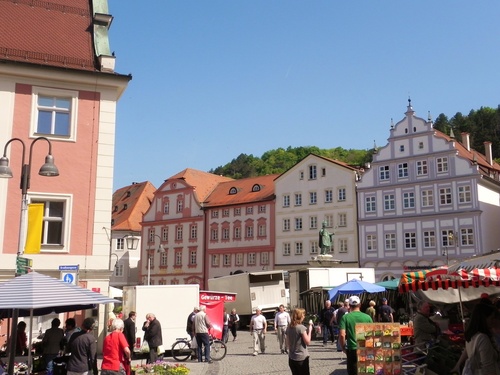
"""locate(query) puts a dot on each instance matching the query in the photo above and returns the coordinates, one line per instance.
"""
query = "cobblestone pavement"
(239, 359)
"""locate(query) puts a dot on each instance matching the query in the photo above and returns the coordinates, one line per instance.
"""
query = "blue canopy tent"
(355, 286)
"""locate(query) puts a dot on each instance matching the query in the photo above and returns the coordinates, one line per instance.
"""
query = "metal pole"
(149, 269)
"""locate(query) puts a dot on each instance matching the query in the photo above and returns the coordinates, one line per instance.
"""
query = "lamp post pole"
(160, 250)
(48, 169)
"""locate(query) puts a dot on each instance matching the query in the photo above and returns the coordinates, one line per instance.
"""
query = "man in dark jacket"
(152, 334)
(129, 330)
(82, 346)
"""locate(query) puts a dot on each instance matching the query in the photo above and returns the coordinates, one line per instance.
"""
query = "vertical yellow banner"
(34, 236)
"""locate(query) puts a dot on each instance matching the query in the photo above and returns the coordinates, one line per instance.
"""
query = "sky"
(213, 79)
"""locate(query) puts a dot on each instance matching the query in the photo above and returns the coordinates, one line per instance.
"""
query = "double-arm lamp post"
(48, 169)
(160, 250)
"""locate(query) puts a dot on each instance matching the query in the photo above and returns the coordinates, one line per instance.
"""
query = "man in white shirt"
(281, 321)
(202, 326)
(258, 329)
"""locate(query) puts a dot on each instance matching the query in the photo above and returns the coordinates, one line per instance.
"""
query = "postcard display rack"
(379, 348)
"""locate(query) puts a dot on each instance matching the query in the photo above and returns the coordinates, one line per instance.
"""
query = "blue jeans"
(49, 362)
(203, 339)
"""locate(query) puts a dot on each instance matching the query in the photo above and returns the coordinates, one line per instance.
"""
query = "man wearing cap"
(82, 346)
(385, 312)
(258, 329)
(347, 337)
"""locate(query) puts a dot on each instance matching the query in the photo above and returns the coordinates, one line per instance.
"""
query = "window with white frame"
(262, 209)
(237, 211)
(164, 234)
(390, 241)
(249, 231)
(389, 202)
(166, 208)
(286, 225)
(427, 198)
(237, 232)
(298, 223)
(384, 172)
(313, 222)
(264, 258)
(370, 204)
(442, 165)
(409, 200)
(329, 221)
(120, 244)
(151, 235)
(178, 233)
(445, 196)
(193, 230)
(215, 260)
(371, 242)
(298, 248)
(214, 234)
(180, 205)
(238, 261)
(298, 199)
(410, 240)
(313, 247)
(192, 257)
(342, 219)
(54, 113)
(328, 196)
(312, 172)
(215, 214)
(421, 167)
(225, 212)
(225, 233)
(249, 210)
(402, 170)
(286, 248)
(226, 259)
(261, 230)
(163, 259)
(119, 270)
(341, 194)
(343, 245)
(286, 200)
(464, 194)
(313, 198)
(301, 175)
(447, 238)
(429, 239)
(251, 259)
(178, 258)
(55, 223)
(467, 236)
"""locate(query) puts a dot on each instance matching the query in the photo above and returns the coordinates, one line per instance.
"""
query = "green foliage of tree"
(280, 160)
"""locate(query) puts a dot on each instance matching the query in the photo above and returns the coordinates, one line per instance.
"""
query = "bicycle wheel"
(218, 350)
(181, 350)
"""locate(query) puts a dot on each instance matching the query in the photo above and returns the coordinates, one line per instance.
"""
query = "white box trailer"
(306, 279)
(264, 289)
(171, 305)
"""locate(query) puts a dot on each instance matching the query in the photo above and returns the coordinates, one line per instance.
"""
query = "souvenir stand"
(379, 348)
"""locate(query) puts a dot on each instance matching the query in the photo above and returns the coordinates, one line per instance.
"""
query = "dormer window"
(125, 206)
(256, 188)
(115, 209)
(129, 194)
(233, 191)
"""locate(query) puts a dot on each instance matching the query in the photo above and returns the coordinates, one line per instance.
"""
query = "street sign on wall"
(69, 274)
(23, 265)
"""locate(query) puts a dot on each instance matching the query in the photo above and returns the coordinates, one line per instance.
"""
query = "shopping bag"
(160, 350)
(144, 347)
(194, 343)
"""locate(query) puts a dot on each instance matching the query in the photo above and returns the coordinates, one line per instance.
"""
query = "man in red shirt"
(115, 351)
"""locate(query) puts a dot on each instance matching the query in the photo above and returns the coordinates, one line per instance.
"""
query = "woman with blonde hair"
(297, 339)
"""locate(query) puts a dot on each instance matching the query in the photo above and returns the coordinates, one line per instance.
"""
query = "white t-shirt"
(258, 322)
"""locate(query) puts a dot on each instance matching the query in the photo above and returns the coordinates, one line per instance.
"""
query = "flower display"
(161, 368)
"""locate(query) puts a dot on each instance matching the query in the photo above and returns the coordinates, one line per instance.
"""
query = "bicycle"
(181, 349)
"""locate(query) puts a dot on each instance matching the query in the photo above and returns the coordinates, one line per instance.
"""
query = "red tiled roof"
(130, 203)
(244, 193)
(55, 33)
(202, 182)
(473, 156)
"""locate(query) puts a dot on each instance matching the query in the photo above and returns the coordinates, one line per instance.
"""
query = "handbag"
(144, 347)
